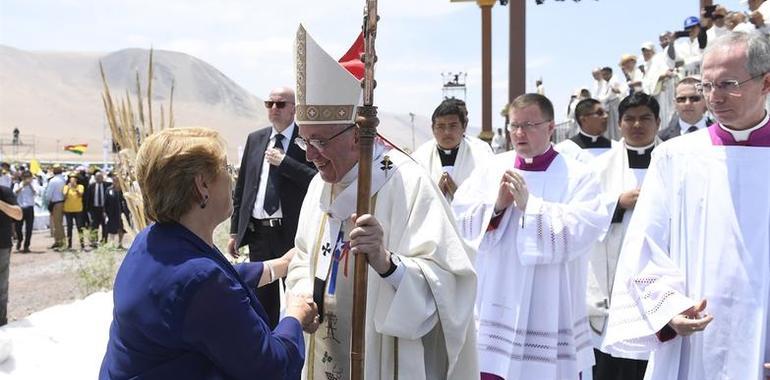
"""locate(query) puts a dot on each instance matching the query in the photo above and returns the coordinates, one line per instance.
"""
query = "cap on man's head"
(691, 22)
(648, 46)
(626, 58)
(326, 92)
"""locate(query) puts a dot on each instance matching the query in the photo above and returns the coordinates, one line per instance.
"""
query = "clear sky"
(251, 41)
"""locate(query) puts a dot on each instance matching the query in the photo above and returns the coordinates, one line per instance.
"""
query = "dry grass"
(129, 129)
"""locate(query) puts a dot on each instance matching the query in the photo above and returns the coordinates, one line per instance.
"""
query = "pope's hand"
(367, 238)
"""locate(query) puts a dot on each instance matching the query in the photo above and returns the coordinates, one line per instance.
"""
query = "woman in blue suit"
(182, 311)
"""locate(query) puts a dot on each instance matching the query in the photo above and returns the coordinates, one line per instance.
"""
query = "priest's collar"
(642, 150)
(586, 141)
(448, 152)
(538, 163)
(589, 136)
(447, 156)
(758, 135)
(639, 157)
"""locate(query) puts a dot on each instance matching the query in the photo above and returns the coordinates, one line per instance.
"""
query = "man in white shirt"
(25, 191)
(660, 77)
(689, 49)
(609, 95)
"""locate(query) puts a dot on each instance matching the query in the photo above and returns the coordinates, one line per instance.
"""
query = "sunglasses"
(693, 99)
(278, 104)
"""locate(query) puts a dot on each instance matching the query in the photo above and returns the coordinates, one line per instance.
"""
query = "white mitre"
(326, 92)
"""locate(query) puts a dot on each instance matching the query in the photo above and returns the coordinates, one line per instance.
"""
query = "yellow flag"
(34, 167)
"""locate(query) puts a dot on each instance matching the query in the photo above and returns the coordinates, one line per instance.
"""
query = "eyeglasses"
(731, 86)
(319, 144)
(526, 127)
(278, 104)
(693, 99)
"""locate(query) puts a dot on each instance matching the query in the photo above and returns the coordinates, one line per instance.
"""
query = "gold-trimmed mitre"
(326, 92)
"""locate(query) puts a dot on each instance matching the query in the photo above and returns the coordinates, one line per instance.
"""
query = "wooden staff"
(367, 129)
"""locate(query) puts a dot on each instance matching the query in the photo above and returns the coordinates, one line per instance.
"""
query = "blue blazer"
(182, 311)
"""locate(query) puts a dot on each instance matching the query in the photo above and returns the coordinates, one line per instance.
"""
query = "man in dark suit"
(272, 182)
(690, 110)
(94, 205)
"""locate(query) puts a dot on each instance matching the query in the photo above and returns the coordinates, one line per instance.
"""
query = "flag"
(78, 149)
(351, 61)
(34, 167)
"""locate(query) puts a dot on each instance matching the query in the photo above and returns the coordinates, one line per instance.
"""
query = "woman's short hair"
(167, 164)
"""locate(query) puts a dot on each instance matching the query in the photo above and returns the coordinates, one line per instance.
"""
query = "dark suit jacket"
(674, 130)
(295, 174)
(88, 195)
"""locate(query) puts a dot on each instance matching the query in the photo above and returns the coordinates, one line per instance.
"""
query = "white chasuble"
(701, 229)
(530, 310)
(419, 328)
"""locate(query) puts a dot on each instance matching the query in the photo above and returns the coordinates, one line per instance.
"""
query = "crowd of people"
(656, 71)
(88, 201)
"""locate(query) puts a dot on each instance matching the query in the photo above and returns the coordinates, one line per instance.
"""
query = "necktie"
(98, 197)
(271, 191)
(692, 129)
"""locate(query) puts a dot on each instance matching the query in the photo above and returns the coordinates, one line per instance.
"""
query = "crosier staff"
(367, 122)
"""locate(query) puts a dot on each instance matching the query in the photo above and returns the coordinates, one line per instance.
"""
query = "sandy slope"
(54, 98)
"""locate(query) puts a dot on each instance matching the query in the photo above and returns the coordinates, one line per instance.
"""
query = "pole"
(367, 129)
(486, 70)
(517, 53)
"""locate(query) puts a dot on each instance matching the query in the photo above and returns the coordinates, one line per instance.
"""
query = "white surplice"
(701, 229)
(609, 95)
(689, 51)
(661, 89)
(530, 308)
(471, 154)
(420, 328)
(616, 177)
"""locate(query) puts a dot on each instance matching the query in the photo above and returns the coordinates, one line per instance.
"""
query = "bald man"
(272, 182)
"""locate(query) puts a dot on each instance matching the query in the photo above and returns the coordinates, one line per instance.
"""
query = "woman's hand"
(304, 310)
